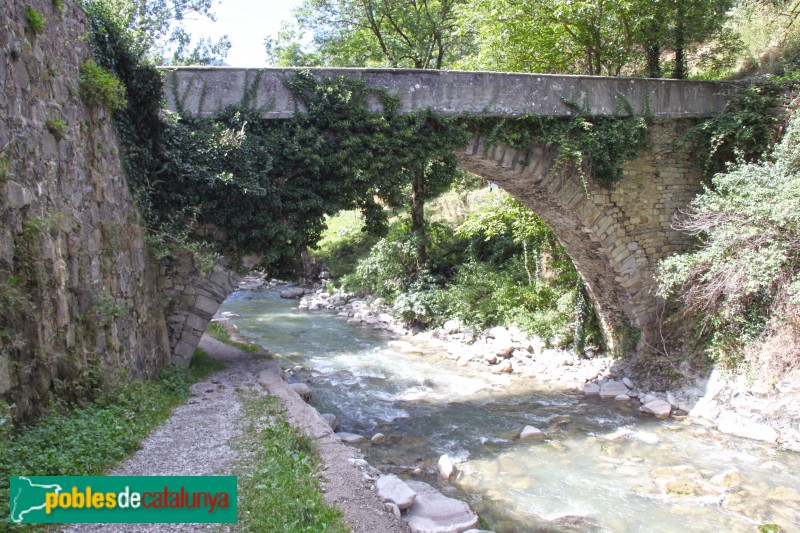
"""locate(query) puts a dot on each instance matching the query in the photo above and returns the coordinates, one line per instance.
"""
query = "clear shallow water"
(655, 476)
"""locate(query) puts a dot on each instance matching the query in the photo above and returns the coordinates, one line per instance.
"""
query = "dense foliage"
(748, 128)
(501, 265)
(268, 183)
(607, 37)
(387, 33)
(597, 145)
(745, 274)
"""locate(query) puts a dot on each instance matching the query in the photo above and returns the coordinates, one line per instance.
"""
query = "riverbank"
(715, 399)
(594, 464)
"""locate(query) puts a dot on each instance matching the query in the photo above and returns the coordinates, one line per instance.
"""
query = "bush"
(35, 21)
(100, 88)
(745, 273)
(748, 128)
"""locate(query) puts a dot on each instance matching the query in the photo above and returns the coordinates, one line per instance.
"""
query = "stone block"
(206, 305)
(17, 196)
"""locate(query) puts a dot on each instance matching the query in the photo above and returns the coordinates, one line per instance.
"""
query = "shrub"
(57, 127)
(748, 128)
(100, 88)
(35, 21)
(744, 273)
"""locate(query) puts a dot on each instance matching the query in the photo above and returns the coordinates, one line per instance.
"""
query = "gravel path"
(196, 440)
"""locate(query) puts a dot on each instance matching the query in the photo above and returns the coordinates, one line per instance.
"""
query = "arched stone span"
(615, 237)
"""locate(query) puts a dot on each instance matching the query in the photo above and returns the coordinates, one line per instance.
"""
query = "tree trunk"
(418, 215)
(653, 51)
(680, 58)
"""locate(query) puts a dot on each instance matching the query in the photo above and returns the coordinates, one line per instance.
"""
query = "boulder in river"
(591, 389)
(331, 419)
(433, 512)
(505, 367)
(742, 427)
(446, 467)
(529, 432)
(293, 292)
(302, 390)
(657, 408)
(349, 438)
(377, 438)
(612, 389)
(393, 489)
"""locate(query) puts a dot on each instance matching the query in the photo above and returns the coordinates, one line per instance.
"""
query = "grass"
(278, 484)
(218, 331)
(85, 441)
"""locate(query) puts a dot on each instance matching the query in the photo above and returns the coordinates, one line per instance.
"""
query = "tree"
(596, 37)
(552, 36)
(391, 33)
(420, 34)
(154, 27)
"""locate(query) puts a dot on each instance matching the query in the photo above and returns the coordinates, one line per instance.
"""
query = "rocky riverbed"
(731, 404)
(502, 354)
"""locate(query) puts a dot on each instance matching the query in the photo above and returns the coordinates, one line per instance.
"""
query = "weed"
(59, 6)
(219, 332)
(36, 22)
(5, 174)
(278, 484)
(106, 309)
(57, 127)
(101, 88)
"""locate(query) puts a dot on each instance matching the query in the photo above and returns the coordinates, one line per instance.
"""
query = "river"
(600, 465)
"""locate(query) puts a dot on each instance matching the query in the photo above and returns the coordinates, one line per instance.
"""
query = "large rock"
(446, 467)
(453, 326)
(433, 512)
(393, 489)
(331, 419)
(349, 438)
(293, 292)
(505, 367)
(748, 429)
(529, 432)
(612, 389)
(302, 390)
(591, 389)
(657, 408)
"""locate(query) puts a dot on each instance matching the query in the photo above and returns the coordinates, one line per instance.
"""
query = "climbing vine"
(749, 127)
(596, 145)
(268, 184)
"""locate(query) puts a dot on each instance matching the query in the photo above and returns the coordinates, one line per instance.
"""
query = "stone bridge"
(615, 237)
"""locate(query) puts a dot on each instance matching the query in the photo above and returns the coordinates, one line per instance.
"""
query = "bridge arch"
(615, 237)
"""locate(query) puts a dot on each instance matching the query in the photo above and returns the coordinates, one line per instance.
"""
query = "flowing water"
(600, 465)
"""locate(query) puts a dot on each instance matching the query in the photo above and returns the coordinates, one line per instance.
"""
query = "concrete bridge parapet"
(203, 91)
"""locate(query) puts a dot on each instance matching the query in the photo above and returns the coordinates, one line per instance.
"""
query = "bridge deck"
(205, 90)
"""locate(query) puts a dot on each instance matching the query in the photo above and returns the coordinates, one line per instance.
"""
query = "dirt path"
(197, 440)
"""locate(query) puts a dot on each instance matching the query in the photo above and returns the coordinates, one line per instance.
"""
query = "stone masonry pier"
(615, 237)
